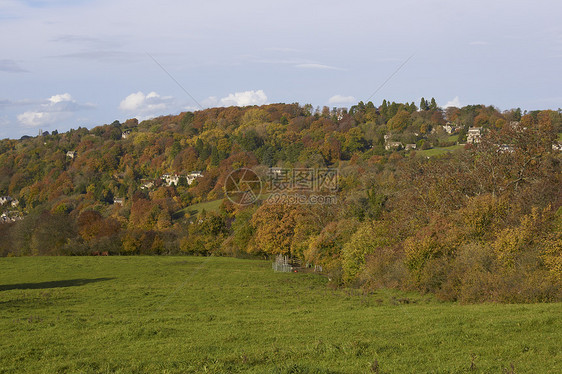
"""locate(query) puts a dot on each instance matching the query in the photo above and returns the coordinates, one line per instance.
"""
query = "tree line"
(482, 223)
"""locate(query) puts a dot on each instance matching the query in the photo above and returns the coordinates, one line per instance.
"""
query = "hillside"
(463, 202)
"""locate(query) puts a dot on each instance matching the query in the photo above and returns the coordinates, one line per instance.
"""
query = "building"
(449, 128)
(71, 154)
(171, 179)
(411, 146)
(393, 145)
(506, 148)
(10, 217)
(125, 134)
(5, 199)
(474, 135)
(119, 201)
(192, 176)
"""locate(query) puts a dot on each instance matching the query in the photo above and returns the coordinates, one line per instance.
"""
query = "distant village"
(9, 206)
(10, 215)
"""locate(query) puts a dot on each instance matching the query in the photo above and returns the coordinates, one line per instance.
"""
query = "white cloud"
(36, 119)
(317, 66)
(60, 98)
(340, 99)
(244, 98)
(146, 106)
(455, 102)
(56, 108)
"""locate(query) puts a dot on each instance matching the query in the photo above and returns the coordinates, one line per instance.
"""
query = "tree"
(399, 122)
(424, 104)
(274, 226)
(433, 105)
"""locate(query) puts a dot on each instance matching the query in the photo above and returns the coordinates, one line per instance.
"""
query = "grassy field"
(209, 206)
(224, 315)
(440, 150)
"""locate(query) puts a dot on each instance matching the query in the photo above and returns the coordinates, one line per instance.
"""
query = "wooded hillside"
(417, 207)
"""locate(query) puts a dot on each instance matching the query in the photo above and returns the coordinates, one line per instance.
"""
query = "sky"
(83, 63)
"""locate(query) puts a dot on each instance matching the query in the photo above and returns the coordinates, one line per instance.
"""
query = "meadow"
(225, 315)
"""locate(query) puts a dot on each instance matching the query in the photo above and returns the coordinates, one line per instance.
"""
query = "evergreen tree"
(423, 104)
(433, 105)
(384, 108)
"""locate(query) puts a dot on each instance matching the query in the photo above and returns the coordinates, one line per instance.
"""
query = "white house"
(449, 128)
(147, 185)
(5, 199)
(171, 179)
(192, 176)
(474, 135)
(125, 134)
(71, 154)
(393, 145)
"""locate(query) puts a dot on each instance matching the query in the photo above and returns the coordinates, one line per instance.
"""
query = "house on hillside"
(10, 217)
(505, 148)
(393, 145)
(474, 135)
(147, 185)
(5, 199)
(409, 147)
(125, 134)
(192, 176)
(119, 201)
(449, 128)
(71, 154)
(275, 171)
(171, 179)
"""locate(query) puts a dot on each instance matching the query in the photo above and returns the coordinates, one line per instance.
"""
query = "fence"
(282, 264)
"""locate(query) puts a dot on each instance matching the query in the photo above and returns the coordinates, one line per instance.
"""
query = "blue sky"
(65, 64)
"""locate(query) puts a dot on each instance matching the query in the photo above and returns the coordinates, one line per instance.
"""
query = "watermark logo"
(284, 186)
(243, 186)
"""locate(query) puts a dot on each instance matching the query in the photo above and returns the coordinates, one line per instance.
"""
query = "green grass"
(440, 150)
(224, 315)
(209, 206)
(453, 138)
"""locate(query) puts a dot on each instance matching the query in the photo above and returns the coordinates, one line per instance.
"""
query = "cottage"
(275, 171)
(411, 146)
(71, 154)
(5, 200)
(10, 217)
(505, 148)
(147, 185)
(449, 128)
(125, 134)
(393, 145)
(474, 135)
(192, 176)
(119, 201)
(171, 179)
